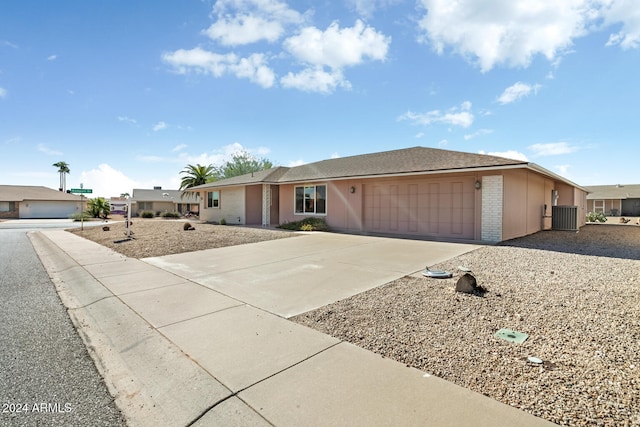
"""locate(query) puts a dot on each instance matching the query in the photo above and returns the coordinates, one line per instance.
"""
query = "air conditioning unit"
(564, 218)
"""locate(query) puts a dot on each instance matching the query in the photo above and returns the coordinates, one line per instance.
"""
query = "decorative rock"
(467, 284)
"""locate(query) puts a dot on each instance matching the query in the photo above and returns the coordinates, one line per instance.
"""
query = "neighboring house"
(421, 192)
(614, 200)
(160, 201)
(25, 201)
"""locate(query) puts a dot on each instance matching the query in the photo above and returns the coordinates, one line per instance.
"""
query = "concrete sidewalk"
(202, 339)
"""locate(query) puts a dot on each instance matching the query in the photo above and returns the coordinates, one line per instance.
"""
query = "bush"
(147, 214)
(307, 224)
(170, 215)
(223, 221)
(84, 216)
(596, 217)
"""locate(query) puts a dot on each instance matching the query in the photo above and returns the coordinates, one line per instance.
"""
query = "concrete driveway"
(292, 276)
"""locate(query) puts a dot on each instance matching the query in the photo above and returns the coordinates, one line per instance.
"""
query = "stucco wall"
(232, 207)
(525, 195)
(395, 213)
(253, 202)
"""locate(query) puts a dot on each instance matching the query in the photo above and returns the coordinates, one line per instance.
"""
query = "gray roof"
(19, 193)
(626, 191)
(405, 161)
(175, 196)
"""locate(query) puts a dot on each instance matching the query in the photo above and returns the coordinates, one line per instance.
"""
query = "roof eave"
(410, 173)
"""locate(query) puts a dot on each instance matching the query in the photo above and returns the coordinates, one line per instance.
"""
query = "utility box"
(564, 218)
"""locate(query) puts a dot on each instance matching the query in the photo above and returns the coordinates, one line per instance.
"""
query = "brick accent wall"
(492, 202)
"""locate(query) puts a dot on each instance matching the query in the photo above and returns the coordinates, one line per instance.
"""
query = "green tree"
(242, 163)
(63, 169)
(125, 195)
(196, 175)
(98, 207)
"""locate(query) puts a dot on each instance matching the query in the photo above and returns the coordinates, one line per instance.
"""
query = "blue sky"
(129, 93)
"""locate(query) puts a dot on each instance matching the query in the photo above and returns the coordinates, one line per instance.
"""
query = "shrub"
(84, 216)
(223, 221)
(170, 215)
(596, 217)
(147, 214)
(307, 224)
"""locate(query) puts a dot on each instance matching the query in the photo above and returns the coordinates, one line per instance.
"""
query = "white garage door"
(437, 208)
(48, 209)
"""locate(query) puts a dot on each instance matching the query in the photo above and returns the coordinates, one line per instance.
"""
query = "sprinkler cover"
(512, 336)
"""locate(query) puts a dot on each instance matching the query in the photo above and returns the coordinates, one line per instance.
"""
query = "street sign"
(81, 190)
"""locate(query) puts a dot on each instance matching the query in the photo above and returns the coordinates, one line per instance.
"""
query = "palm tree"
(98, 207)
(196, 175)
(63, 169)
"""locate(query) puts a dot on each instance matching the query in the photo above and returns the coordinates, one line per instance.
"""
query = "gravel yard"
(574, 294)
(158, 237)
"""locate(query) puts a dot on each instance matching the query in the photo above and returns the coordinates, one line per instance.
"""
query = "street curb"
(152, 381)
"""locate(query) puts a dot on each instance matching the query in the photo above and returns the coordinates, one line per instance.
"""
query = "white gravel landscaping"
(576, 295)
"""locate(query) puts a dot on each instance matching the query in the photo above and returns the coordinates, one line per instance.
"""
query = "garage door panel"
(439, 208)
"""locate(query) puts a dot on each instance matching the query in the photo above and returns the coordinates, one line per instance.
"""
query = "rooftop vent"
(157, 188)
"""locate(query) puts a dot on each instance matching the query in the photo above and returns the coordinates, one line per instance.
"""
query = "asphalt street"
(46, 374)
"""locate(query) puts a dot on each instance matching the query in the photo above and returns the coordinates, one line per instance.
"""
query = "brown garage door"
(436, 207)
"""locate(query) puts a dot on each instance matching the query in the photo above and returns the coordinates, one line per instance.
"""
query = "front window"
(311, 199)
(213, 199)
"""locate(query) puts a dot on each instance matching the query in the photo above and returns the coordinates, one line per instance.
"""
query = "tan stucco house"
(614, 200)
(160, 201)
(26, 202)
(420, 192)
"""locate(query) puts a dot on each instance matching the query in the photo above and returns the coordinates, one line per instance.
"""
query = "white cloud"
(127, 120)
(419, 135)
(335, 156)
(627, 13)
(159, 126)
(241, 22)
(334, 48)
(244, 29)
(563, 170)
(294, 163)
(366, 8)
(3, 92)
(338, 48)
(506, 32)
(179, 147)
(315, 80)
(201, 61)
(107, 182)
(48, 151)
(323, 55)
(509, 154)
(457, 116)
(479, 132)
(517, 91)
(553, 149)
(52, 57)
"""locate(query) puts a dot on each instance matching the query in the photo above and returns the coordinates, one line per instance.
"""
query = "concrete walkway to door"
(292, 276)
(201, 339)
